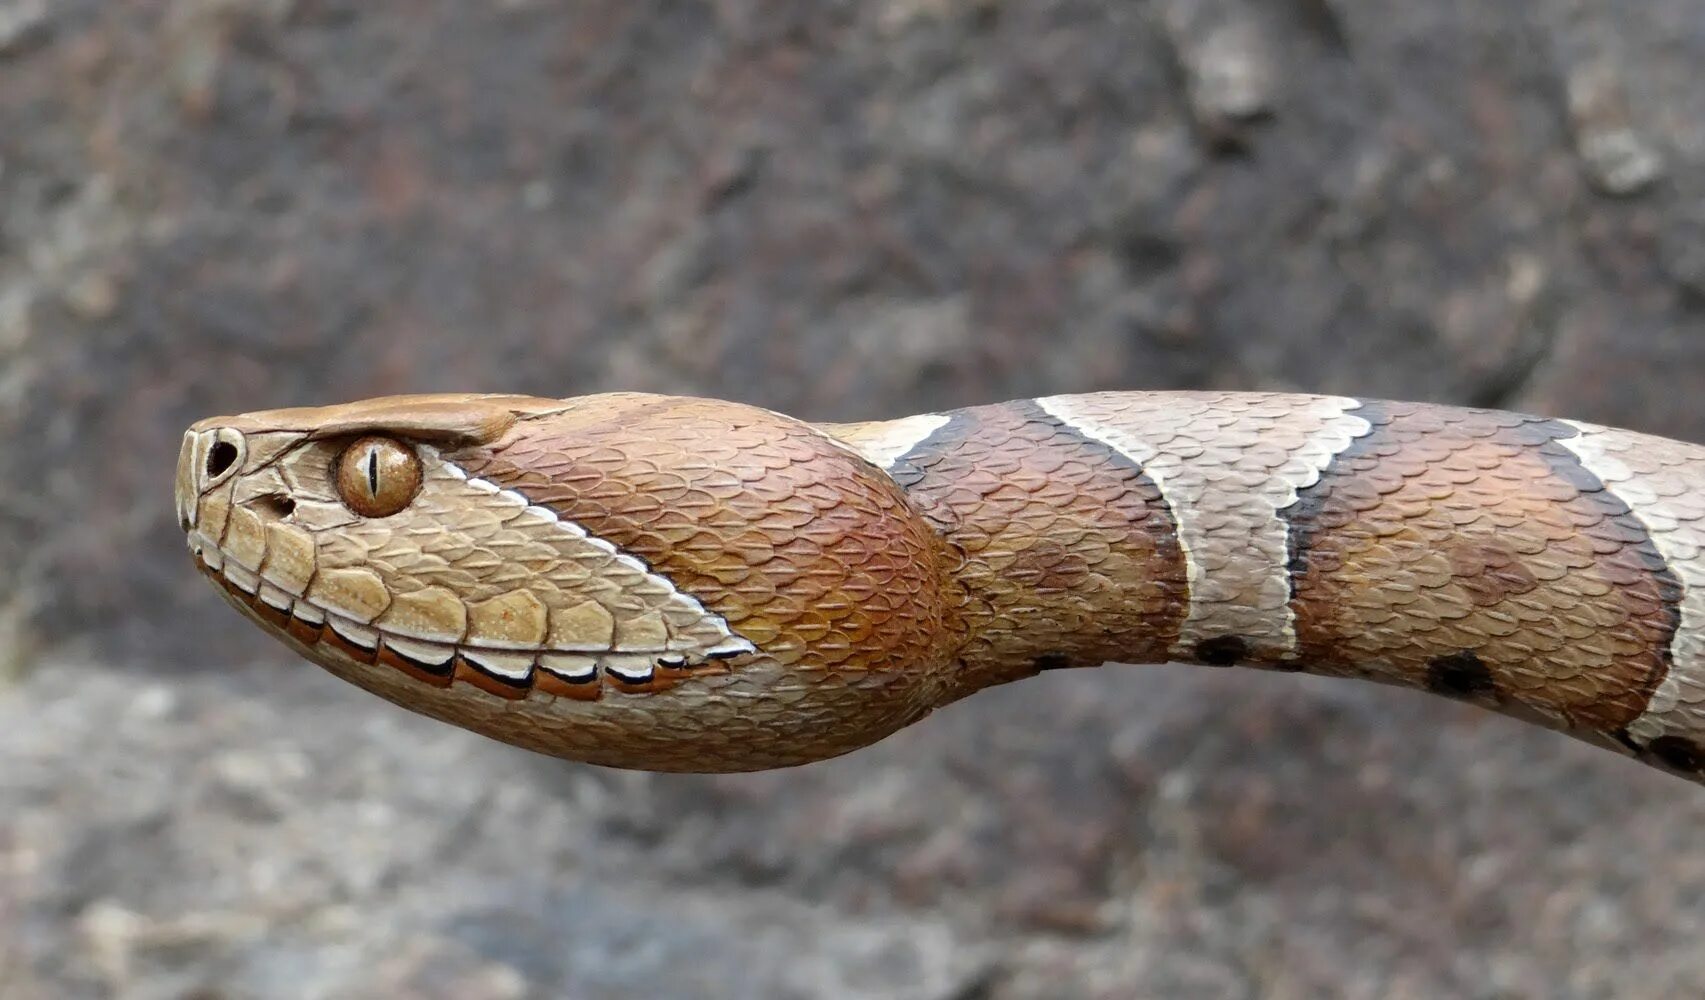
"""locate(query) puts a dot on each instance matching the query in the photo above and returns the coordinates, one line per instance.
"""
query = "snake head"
(632, 580)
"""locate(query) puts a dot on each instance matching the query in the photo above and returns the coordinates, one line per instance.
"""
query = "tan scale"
(431, 614)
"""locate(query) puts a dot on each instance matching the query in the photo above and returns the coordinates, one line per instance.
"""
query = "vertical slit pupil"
(373, 471)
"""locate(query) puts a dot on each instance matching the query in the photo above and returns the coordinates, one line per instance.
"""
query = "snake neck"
(1062, 554)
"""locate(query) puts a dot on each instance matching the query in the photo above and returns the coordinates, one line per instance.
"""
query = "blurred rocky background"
(842, 210)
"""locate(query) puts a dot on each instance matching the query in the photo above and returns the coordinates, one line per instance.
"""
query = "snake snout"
(183, 487)
(207, 460)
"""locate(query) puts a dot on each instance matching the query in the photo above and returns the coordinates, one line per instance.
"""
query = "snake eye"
(378, 476)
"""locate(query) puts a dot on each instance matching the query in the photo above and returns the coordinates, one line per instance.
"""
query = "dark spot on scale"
(1679, 753)
(1052, 661)
(1459, 675)
(1222, 650)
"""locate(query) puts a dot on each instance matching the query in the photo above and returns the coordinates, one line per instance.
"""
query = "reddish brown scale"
(1447, 533)
(306, 633)
(467, 673)
(550, 684)
(269, 614)
(360, 654)
(390, 658)
(1065, 548)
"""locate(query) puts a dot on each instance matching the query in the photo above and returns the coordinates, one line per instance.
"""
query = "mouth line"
(511, 674)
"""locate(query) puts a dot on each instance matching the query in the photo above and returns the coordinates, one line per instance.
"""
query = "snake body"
(686, 584)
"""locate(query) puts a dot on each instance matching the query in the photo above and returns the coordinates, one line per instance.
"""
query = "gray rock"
(843, 211)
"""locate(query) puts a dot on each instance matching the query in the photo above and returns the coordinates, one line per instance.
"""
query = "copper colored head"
(640, 581)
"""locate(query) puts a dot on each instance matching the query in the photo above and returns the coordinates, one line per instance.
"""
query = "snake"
(672, 583)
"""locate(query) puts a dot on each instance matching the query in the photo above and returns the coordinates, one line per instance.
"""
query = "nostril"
(276, 504)
(220, 458)
(184, 522)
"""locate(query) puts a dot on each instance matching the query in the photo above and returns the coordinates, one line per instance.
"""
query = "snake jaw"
(559, 582)
(510, 674)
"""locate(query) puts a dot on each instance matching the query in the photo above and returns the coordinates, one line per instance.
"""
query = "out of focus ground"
(841, 210)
